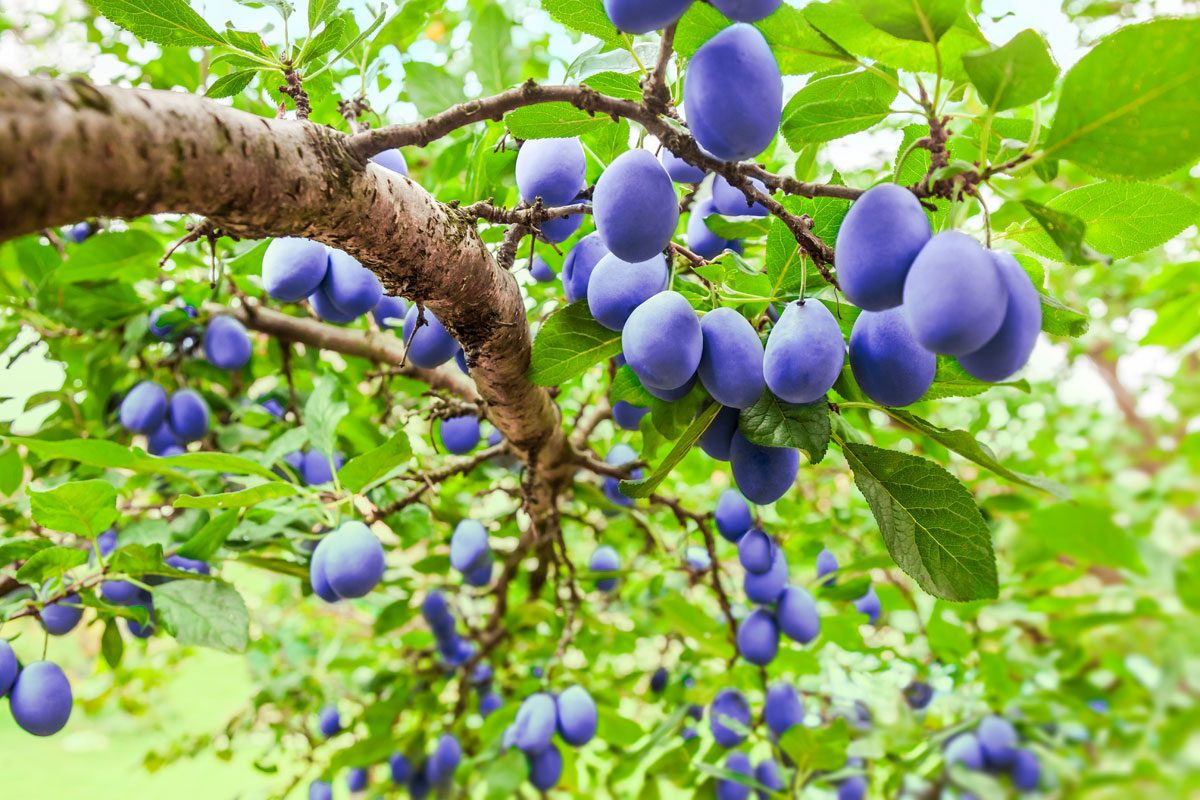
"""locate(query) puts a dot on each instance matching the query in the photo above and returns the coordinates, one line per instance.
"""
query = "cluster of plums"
(452, 648)
(994, 747)
(348, 562)
(130, 594)
(434, 773)
(169, 423)
(729, 721)
(571, 714)
(225, 342)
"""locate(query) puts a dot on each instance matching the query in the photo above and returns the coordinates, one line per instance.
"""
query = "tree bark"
(70, 150)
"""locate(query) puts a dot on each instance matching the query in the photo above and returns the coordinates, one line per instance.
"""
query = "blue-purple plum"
(732, 515)
(728, 707)
(805, 353)
(756, 551)
(853, 788)
(350, 286)
(353, 562)
(964, 749)
(460, 359)
(399, 768)
(827, 564)
(731, 363)
(877, 243)
(869, 604)
(758, 637)
(732, 202)
(535, 723)
(436, 610)
(541, 271)
(783, 708)
(635, 207)
(797, 614)
(671, 395)
(643, 16)
(747, 11)
(329, 722)
(729, 789)
(605, 559)
(443, 763)
(997, 740)
(124, 593)
(392, 160)
(188, 415)
(579, 264)
(918, 695)
(293, 268)
(552, 169)
(889, 365)
(418, 784)
(766, 588)
(273, 407)
(577, 716)
(559, 229)
(79, 232)
(767, 773)
(431, 345)
(469, 546)
(680, 170)
(137, 629)
(545, 769)
(619, 456)
(327, 310)
(317, 469)
(60, 618)
(617, 287)
(460, 434)
(489, 704)
(628, 416)
(166, 330)
(762, 474)
(173, 450)
(480, 576)
(8, 667)
(1007, 351)
(390, 311)
(662, 341)
(317, 578)
(697, 559)
(733, 94)
(320, 790)
(718, 435)
(1026, 770)
(144, 408)
(357, 779)
(226, 343)
(40, 699)
(954, 297)
(701, 239)
(659, 680)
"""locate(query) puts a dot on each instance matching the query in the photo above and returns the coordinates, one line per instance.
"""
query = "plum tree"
(40, 698)
(351, 560)
(552, 169)
(732, 515)
(577, 716)
(827, 564)
(880, 238)
(888, 363)
(431, 345)
(619, 456)
(954, 297)
(729, 707)
(188, 415)
(797, 614)
(1008, 350)
(662, 341)
(293, 268)
(617, 287)
(560, 228)
(732, 202)
(747, 11)
(756, 551)
(61, 617)
(144, 407)
(460, 434)
(805, 353)
(1026, 770)
(640, 16)
(768, 774)
(635, 207)
(758, 637)
(659, 680)
(853, 788)
(763, 474)
(918, 695)
(733, 94)
(316, 468)
(731, 360)
(728, 789)
(399, 769)
(579, 264)
(226, 343)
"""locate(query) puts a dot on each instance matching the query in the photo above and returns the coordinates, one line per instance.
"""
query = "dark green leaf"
(229, 85)
(1065, 230)
(570, 342)
(919, 20)
(208, 540)
(773, 423)
(50, 561)
(829, 108)
(1015, 74)
(362, 470)
(112, 646)
(167, 22)
(203, 613)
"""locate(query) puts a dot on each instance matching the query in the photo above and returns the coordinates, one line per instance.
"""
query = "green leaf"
(360, 471)
(166, 22)
(319, 11)
(208, 540)
(570, 342)
(204, 614)
(112, 646)
(919, 20)
(491, 49)
(1015, 74)
(230, 85)
(85, 508)
(773, 423)
(1129, 107)
(331, 37)
(1085, 533)
(646, 486)
(585, 16)
(431, 89)
(12, 471)
(215, 462)
(49, 562)
(323, 414)
(21, 550)
(110, 455)
(240, 499)
(616, 84)
(1120, 219)
(966, 445)
(798, 46)
(126, 256)
(552, 121)
(1065, 230)
(951, 380)
(929, 522)
(816, 748)
(1061, 320)
(829, 108)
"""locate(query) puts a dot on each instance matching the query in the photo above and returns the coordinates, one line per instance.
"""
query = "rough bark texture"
(70, 150)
